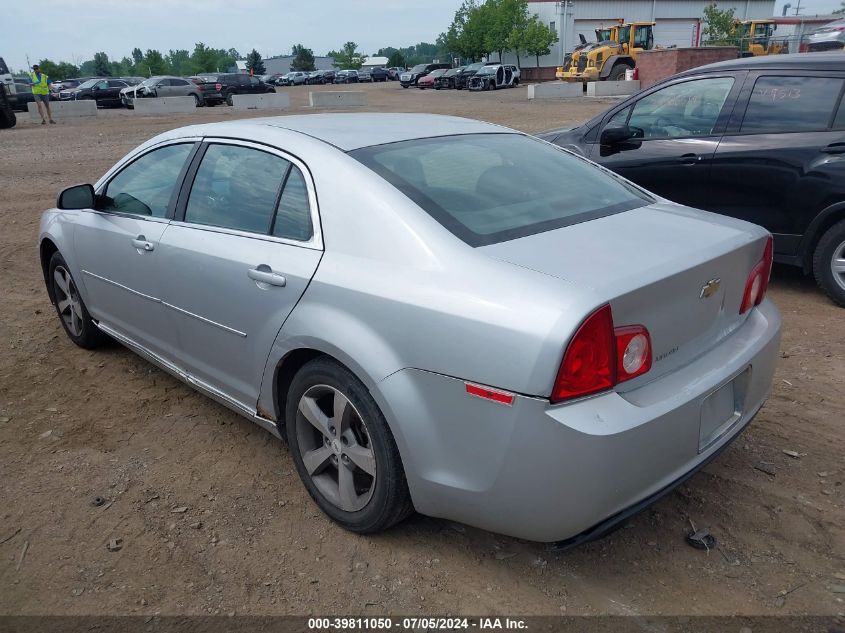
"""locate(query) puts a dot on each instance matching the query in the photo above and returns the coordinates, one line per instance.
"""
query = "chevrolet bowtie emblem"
(710, 288)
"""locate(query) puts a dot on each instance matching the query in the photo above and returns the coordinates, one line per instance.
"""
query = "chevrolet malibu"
(436, 313)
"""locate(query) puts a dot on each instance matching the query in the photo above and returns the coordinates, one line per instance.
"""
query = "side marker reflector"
(502, 397)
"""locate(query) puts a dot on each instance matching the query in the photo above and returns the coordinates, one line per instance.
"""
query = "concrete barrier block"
(64, 109)
(267, 101)
(164, 105)
(337, 99)
(556, 90)
(612, 88)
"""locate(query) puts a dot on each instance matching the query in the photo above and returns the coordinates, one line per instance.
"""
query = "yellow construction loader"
(754, 38)
(609, 59)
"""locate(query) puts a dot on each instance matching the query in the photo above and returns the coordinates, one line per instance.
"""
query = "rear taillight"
(600, 356)
(758, 280)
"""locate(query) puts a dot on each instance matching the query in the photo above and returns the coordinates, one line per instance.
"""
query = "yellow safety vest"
(39, 87)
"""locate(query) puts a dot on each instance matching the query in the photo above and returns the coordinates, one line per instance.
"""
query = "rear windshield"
(489, 188)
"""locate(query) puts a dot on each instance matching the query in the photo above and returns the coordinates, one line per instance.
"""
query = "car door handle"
(834, 148)
(689, 159)
(142, 244)
(264, 274)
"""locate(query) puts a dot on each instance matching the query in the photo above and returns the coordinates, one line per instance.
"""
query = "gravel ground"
(75, 425)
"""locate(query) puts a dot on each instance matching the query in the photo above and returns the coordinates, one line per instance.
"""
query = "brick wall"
(658, 64)
(544, 73)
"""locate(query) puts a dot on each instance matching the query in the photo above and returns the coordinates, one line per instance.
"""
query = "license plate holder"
(722, 409)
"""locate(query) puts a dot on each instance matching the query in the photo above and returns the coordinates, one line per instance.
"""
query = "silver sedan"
(437, 313)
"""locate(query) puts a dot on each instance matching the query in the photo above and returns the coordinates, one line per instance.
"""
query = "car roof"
(796, 61)
(351, 131)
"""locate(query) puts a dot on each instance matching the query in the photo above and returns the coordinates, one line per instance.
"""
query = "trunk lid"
(679, 272)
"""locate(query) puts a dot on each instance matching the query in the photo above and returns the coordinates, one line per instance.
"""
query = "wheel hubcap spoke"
(839, 266)
(309, 409)
(61, 281)
(315, 461)
(346, 488)
(362, 457)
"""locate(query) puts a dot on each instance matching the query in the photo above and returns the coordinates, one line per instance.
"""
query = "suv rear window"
(791, 104)
(489, 188)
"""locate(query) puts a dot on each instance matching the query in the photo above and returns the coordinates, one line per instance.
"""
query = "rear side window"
(236, 188)
(146, 185)
(293, 217)
(791, 104)
(489, 188)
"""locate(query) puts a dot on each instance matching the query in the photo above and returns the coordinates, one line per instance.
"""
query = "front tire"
(618, 73)
(343, 449)
(829, 263)
(72, 312)
(229, 99)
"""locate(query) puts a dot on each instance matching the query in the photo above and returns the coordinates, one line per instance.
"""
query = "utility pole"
(798, 7)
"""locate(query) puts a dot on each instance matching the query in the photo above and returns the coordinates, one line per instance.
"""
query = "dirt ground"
(75, 425)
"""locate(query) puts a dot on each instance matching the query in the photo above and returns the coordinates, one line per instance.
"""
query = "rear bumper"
(571, 471)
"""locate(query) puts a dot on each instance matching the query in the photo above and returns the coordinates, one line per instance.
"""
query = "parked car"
(448, 79)
(365, 75)
(167, 86)
(394, 72)
(830, 37)
(378, 74)
(760, 139)
(232, 84)
(346, 77)
(462, 80)
(321, 77)
(24, 96)
(494, 76)
(106, 92)
(294, 78)
(645, 342)
(66, 84)
(427, 81)
(410, 77)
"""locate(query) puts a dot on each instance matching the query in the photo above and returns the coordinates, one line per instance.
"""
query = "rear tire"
(829, 263)
(334, 425)
(618, 73)
(73, 315)
(7, 118)
(229, 99)
(197, 101)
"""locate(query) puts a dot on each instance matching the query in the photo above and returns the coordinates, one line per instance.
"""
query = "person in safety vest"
(41, 94)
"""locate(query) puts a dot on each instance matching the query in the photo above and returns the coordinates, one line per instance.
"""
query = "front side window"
(236, 188)
(791, 104)
(489, 188)
(682, 110)
(146, 185)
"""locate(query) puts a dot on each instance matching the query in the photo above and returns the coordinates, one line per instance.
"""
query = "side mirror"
(76, 197)
(615, 133)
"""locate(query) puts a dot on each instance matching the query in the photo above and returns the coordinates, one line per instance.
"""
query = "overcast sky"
(73, 30)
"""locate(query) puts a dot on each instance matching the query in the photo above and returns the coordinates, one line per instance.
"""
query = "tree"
(348, 57)
(539, 38)
(137, 56)
(517, 17)
(179, 62)
(154, 63)
(840, 11)
(254, 63)
(102, 66)
(718, 25)
(303, 58)
(396, 60)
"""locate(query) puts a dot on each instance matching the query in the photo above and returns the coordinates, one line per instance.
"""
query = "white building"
(375, 62)
(678, 22)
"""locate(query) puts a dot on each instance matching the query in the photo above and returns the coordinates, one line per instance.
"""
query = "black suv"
(220, 88)
(760, 139)
(410, 77)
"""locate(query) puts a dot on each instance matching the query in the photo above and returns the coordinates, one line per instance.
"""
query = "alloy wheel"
(837, 265)
(335, 447)
(68, 301)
